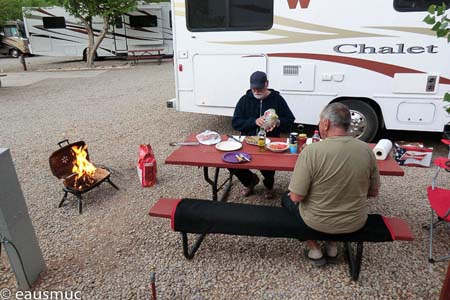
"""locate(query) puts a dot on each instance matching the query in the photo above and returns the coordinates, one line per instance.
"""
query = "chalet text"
(397, 49)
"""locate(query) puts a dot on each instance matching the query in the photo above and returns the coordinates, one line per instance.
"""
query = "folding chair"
(440, 204)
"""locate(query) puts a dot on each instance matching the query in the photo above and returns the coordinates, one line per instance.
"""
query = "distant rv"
(13, 40)
(52, 31)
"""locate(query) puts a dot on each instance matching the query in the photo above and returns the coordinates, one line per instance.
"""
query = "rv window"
(54, 22)
(220, 15)
(416, 5)
(10, 31)
(143, 21)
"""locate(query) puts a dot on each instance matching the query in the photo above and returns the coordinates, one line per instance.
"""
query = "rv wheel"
(14, 53)
(364, 124)
(85, 55)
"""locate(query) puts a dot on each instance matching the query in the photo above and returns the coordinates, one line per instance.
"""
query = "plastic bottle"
(262, 139)
(316, 136)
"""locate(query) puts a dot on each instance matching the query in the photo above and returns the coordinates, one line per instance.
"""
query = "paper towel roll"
(382, 149)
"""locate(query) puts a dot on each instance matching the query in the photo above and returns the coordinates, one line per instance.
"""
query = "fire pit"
(72, 164)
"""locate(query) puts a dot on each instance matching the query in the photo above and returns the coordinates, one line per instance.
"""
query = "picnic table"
(209, 157)
(136, 55)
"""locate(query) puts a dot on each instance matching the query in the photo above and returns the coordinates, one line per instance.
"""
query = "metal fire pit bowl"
(61, 164)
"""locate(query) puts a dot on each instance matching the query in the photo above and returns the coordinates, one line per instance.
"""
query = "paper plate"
(231, 157)
(228, 146)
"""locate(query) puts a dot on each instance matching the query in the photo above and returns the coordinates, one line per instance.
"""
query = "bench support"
(190, 253)
(354, 259)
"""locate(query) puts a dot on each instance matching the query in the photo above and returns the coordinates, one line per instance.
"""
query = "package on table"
(412, 154)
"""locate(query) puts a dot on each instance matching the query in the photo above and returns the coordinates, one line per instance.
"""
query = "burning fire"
(82, 168)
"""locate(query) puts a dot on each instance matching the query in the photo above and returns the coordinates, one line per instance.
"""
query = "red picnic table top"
(209, 156)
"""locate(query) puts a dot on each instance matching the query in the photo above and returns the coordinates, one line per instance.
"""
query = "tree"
(108, 10)
(11, 10)
(438, 18)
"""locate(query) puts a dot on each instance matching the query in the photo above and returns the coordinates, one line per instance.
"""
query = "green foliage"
(107, 9)
(437, 17)
(12, 9)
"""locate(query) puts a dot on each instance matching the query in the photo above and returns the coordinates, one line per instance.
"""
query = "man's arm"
(295, 198)
(374, 186)
(241, 121)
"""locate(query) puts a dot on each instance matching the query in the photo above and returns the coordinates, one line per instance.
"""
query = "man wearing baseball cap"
(248, 117)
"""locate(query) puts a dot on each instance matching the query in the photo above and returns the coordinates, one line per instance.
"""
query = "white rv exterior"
(53, 31)
(378, 57)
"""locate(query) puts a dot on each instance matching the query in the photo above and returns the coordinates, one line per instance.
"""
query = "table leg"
(215, 184)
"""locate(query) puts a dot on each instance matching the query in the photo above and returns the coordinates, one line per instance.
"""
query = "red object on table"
(209, 156)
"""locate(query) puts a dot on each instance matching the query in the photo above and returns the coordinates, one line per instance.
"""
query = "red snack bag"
(146, 166)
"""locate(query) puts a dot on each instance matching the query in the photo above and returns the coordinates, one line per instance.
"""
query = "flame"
(82, 168)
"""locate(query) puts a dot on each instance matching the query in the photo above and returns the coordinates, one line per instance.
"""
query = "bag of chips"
(146, 166)
(270, 117)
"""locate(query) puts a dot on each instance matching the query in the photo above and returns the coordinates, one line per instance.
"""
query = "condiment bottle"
(262, 139)
(316, 137)
(301, 140)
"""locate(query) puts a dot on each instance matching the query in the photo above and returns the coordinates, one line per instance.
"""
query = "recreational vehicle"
(377, 57)
(13, 40)
(53, 31)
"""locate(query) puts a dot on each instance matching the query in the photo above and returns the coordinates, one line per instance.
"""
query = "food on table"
(252, 140)
(278, 146)
(207, 136)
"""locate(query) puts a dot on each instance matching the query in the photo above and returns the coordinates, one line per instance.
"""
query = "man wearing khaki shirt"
(331, 182)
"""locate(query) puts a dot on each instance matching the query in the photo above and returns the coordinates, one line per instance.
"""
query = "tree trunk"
(99, 40)
(89, 53)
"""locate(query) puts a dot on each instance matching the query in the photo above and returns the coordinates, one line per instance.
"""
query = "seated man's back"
(335, 176)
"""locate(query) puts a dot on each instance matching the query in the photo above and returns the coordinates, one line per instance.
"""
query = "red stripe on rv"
(44, 12)
(383, 68)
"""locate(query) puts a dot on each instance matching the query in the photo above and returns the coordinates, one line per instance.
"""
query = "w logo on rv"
(293, 3)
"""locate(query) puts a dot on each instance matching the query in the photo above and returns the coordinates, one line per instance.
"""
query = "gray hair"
(338, 114)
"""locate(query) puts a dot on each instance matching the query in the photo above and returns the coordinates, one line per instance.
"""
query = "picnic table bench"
(209, 217)
(1, 75)
(136, 55)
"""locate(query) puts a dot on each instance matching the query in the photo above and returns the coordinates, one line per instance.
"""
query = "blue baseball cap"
(258, 80)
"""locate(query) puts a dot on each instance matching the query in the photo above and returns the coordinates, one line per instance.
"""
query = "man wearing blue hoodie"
(249, 116)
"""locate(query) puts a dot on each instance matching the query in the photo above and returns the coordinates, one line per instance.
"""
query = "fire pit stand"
(61, 164)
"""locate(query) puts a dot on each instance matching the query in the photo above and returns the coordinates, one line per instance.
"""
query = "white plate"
(228, 146)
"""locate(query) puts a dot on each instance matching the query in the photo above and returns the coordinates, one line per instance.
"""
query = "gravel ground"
(109, 250)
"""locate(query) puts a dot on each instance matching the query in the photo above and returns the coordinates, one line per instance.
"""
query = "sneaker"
(331, 251)
(315, 256)
(251, 188)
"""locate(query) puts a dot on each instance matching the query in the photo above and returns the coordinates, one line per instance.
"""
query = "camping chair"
(440, 204)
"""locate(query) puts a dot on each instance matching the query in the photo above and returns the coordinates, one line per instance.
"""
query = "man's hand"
(372, 193)
(295, 198)
(260, 121)
(276, 124)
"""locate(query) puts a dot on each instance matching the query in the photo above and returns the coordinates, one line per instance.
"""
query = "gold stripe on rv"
(419, 30)
(289, 37)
